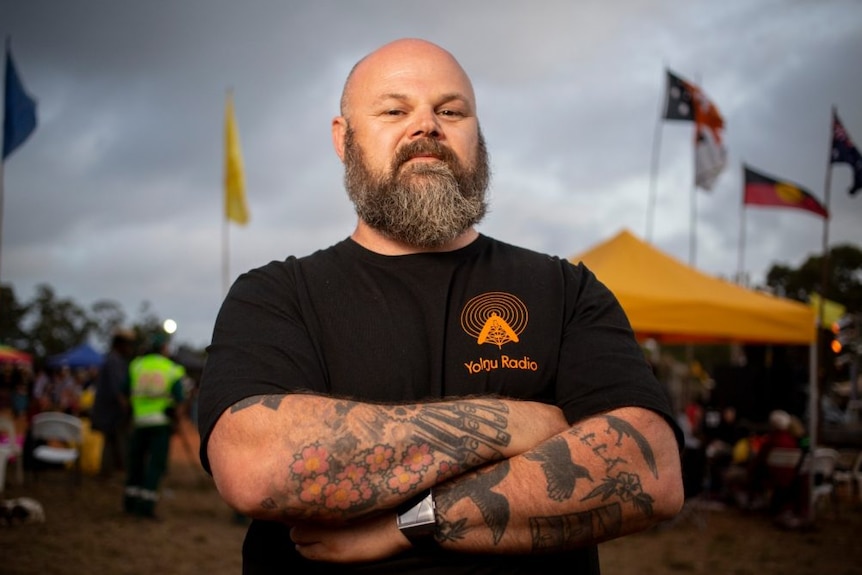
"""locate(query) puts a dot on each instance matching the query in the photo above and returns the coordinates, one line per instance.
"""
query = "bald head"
(399, 59)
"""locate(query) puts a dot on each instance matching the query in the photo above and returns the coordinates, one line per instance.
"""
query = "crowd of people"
(25, 391)
(131, 401)
(733, 462)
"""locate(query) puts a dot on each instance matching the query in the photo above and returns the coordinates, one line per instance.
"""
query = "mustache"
(424, 147)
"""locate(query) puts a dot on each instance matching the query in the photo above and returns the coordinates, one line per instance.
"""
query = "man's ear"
(339, 131)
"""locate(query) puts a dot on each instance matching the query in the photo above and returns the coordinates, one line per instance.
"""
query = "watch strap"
(416, 519)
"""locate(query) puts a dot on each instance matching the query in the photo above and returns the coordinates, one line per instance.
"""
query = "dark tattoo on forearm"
(627, 487)
(624, 428)
(447, 438)
(444, 427)
(562, 532)
(617, 429)
(561, 473)
(493, 506)
(624, 485)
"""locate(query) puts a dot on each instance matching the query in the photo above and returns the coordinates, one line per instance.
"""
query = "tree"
(844, 285)
(108, 316)
(147, 325)
(48, 324)
(11, 314)
(844, 279)
(53, 325)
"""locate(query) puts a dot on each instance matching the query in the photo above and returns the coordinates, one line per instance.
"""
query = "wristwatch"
(416, 518)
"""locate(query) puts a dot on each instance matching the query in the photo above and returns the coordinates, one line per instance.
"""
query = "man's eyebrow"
(456, 97)
(390, 96)
(444, 99)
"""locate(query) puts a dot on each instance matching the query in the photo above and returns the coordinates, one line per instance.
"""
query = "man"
(111, 403)
(420, 398)
(157, 393)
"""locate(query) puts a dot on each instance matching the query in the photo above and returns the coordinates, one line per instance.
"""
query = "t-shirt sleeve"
(260, 346)
(602, 367)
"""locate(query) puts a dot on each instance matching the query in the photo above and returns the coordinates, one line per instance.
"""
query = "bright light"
(170, 326)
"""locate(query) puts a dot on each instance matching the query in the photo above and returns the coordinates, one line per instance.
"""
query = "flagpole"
(824, 277)
(692, 244)
(817, 355)
(225, 256)
(19, 118)
(2, 166)
(824, 272)
(692, 227)
(3, 163)
(2, 194)
(235, 207)
(225, 240)
(740, 267)
(656, 148)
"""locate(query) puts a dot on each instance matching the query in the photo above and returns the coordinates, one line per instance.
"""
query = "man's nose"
(425, 124)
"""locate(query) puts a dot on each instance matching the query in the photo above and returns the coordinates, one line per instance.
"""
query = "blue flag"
(844, 152)
(19, 109)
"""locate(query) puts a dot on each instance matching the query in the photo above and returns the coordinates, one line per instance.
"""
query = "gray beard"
(426, 204)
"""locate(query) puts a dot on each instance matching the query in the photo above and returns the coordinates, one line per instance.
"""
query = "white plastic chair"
(823, 467)
(849, 471)
(58, 438)
(9, 450)
(784, 457)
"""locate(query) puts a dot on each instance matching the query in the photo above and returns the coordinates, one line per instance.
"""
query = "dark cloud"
(117, 195)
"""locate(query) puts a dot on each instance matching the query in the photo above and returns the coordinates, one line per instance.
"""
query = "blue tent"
(79, 356)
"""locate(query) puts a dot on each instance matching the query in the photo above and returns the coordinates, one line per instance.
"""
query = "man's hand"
(369, 540)
(533, 423)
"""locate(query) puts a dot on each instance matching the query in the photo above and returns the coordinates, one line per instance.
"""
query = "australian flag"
(844, 152)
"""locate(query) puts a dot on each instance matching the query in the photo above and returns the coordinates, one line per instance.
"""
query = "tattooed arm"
(302, 458)
(607, 476)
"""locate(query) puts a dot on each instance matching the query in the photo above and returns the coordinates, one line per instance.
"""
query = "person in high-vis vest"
(157, 393)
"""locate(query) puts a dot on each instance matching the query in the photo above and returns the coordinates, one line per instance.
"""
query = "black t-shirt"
(490, 318)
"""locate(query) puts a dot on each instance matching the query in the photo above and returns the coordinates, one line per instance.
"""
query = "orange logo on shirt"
(494, 317)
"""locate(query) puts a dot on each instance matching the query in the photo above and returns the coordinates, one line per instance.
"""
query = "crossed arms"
(509, 476)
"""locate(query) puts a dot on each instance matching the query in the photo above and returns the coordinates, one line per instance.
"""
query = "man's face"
(414, 201)
(416, 167)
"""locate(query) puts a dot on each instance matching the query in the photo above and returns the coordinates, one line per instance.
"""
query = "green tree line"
(48, 324)
(844, 278)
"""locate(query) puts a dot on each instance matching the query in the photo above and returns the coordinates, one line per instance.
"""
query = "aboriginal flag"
(763, 190)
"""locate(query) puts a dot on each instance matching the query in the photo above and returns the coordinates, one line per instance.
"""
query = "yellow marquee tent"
(674, 303)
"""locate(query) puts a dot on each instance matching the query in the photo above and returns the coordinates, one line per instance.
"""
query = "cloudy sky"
(118, 193)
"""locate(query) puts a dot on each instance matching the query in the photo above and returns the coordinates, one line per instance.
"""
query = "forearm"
(303, 457)
(605, 477)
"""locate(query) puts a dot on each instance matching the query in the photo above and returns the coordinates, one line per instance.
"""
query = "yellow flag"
(832, 311)
(235, 207)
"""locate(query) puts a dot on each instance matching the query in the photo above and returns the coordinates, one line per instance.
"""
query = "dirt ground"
(85, 533)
